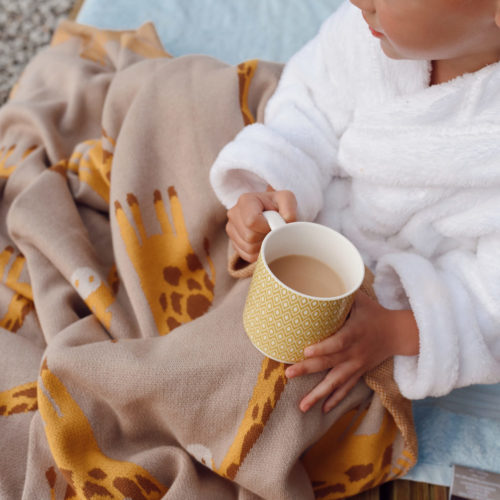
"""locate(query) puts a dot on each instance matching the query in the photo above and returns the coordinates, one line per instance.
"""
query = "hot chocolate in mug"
(310, 293)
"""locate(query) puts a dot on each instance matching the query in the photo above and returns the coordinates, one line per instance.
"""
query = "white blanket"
(410, 173)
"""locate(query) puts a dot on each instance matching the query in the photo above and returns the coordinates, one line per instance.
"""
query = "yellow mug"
(280, 321)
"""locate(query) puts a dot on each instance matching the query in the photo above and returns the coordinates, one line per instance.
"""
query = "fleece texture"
(408, 171)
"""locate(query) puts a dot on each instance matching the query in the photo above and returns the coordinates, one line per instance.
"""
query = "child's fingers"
(313, 365)
(287, 204)
(247, 251)
(333, 380)
(340, 393)
(248, 257)
(247, 225)
(249, 210)
(236, 228)
(338, 342)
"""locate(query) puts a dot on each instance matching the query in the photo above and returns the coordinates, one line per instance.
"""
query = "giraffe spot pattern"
(266, 411)
(185, 290)
(70, 493)
(387, 457)
(18, 409)
(250, 439)
(172, 323)
(163, 301)
(328, 490)
(20, 399)
(317, 484)
(68, 476)
(358, 472)
(193, 262)
(172, 275)
(128, 488)
(208, 283)
(97, 473)
(270, 384)
(194, 285)
(271, 366)
(255, 411)
(197, 305)
(107, 477)
(90, 489)
(51, 476)
(232, 470)
(175, 298)
(30, 393)
(147, 485)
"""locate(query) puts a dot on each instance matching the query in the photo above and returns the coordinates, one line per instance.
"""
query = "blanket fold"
(126, 369)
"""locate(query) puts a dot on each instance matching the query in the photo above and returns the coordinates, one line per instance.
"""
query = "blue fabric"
(230, 30)
(462, 428)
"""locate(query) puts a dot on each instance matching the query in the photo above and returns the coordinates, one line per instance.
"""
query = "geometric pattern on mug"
(281, 323)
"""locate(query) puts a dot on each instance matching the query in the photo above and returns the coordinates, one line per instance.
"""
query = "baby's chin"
(394, 53)
(390, 51)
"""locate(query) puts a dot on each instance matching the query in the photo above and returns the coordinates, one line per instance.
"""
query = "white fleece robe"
(410, 173)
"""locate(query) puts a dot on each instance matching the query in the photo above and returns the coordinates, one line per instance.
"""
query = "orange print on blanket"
(20, 399)
(96, 292)
(94, 43)
(270, 384)
(246, 72)
(88, 472)
(21, 303)
(174, 281)
(6, 168)
(92, 161)
(361, 460)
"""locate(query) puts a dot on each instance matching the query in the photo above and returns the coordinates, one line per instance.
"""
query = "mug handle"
(274, 219)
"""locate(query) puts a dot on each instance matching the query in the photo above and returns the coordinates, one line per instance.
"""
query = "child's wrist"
(404, 332)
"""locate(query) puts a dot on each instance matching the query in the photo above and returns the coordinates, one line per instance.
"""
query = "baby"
(386, 127)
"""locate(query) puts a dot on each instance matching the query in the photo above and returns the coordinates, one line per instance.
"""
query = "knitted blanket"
(126, 372)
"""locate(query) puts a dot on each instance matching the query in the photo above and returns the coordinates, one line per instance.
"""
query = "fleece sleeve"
(296, 146)
(456, 303)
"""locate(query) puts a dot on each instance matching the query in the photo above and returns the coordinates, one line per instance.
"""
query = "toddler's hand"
(246, 225)
(370, 336)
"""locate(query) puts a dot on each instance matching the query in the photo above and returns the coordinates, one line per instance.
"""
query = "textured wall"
(26, 26)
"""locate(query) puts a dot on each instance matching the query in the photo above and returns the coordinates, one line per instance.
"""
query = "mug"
(280, 321)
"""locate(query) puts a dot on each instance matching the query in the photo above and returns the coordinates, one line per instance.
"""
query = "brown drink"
(308, 275)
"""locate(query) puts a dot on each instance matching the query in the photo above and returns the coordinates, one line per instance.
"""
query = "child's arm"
(370, 335)
(296, 146)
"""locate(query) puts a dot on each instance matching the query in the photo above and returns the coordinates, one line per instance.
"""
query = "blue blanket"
(462, 428)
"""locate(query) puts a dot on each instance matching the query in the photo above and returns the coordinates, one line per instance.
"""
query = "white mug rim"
(274, 232)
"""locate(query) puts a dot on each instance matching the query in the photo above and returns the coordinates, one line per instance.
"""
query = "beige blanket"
(125, 370)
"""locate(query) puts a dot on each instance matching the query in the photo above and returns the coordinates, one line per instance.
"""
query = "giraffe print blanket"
(125, 370)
